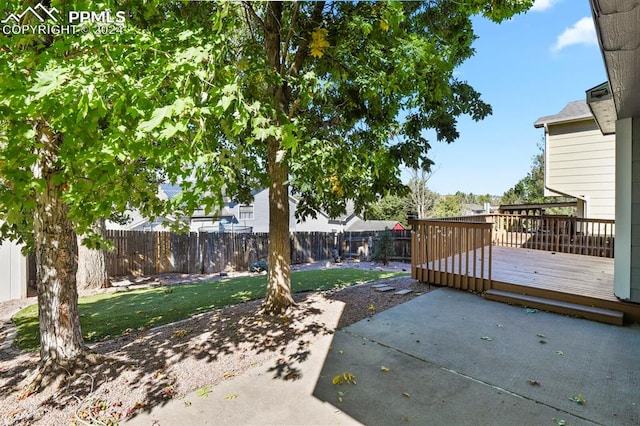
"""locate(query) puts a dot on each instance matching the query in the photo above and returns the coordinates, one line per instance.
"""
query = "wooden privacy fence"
(147, 253)
(363, 244)
(455, 254)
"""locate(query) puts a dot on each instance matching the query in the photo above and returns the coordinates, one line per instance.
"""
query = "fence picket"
(148, 252)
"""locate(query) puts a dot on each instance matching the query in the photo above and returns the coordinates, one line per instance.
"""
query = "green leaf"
(185, 35)
(157, 116)
(225, 101)
(204, 391)
(48, 81)
(171, 129)
(578, 399)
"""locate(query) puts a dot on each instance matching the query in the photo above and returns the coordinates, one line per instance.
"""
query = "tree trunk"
(92, 264)
(278, 297)
(279, 274)
(55, 249)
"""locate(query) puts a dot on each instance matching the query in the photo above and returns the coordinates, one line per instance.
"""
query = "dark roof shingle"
(573, 111)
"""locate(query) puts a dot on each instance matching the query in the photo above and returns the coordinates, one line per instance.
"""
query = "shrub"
(384, 249)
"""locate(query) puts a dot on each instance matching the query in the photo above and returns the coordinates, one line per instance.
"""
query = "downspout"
(585, 199)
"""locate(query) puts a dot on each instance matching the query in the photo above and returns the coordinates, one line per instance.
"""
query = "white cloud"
(582, 32)
(540, 5)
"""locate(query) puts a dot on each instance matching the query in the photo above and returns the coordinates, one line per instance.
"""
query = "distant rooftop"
(574, 111)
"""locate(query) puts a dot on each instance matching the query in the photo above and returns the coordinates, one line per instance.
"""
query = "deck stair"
(607, 316)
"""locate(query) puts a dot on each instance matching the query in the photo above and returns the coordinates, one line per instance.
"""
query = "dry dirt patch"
(144, 369)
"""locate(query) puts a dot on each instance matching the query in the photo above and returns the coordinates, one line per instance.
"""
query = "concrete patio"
(456, 359)
(447, 357)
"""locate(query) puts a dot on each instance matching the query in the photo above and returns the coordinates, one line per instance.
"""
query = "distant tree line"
(421, 202)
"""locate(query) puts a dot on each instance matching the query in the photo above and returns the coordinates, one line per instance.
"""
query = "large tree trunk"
(279, 274)
(61, 341)
(278, 297)
(92, 264)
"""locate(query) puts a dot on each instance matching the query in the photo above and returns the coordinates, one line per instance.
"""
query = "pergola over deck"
(556, 263)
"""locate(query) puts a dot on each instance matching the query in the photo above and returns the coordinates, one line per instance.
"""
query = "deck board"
(573, 278)
(563, 272)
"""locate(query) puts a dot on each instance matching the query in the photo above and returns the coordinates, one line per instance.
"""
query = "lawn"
(109, 315)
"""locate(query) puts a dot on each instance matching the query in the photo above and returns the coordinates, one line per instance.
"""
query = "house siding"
(13, 272)
(635, 210)
(581, 163)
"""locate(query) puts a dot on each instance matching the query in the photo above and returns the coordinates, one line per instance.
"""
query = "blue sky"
(525, 68)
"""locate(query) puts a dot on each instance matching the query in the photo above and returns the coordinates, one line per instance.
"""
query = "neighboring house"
(361, 225)
(200, 221)
(616, 108)
(474, 209)
(256, 216)
(579, 160)
(250, 217)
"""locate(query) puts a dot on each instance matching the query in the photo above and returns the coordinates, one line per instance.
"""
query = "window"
(246, 212)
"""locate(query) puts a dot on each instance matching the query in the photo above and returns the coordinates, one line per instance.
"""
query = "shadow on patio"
(451, 357)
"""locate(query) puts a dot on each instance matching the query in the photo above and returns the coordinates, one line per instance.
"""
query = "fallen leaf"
(384, 369)
(372, 308)
(533, 382)
(406, 394)
(187, 403)
(15, 413)
(349, 378)
(542, 342)
(343, 378)
(579, 399)
(499, 325)
(559, 353)
(204, 391)
(541, 335)
(531, 311)
(231, 396)
(487, 338)
(406, 418)
(180, 333)
(228, 374)
(559, 422)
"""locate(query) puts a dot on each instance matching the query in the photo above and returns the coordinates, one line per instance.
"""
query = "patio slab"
(455, 358)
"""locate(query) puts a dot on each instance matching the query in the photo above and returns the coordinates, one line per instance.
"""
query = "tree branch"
(285, 50)
(302, 52)
(252, 12)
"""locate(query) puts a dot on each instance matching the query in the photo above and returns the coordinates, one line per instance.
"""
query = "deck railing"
(592, 237)
(455, 254)
(565, 234)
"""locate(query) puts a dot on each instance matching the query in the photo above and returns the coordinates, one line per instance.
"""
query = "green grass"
(110, 315)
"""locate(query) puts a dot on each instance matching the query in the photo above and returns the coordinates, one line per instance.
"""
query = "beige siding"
(13, 272)
(581, 163)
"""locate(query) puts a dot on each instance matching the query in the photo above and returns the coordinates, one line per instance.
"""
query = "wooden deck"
(572, 274)
(560, 282)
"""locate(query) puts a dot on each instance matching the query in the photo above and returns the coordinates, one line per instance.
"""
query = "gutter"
(585, 199)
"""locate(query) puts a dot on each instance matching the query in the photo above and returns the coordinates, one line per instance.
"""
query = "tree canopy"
(325, 99)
